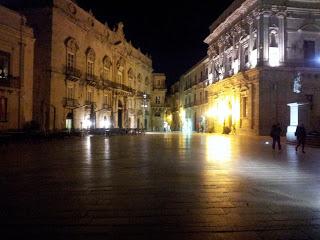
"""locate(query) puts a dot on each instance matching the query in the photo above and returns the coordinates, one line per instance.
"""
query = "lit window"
(4, 65)
(157, 100)
(3, 109)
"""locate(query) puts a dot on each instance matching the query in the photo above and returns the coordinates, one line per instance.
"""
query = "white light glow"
(235, 66)
(254, 58)
(274, 57)
(87, 123)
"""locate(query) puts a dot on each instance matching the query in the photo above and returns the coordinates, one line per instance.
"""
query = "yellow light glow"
(225, 107)
(218, 149)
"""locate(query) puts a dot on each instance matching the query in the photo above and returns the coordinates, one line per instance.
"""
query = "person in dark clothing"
(301, 135)
(275, 134)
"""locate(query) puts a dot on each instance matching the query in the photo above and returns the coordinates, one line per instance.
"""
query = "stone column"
(266, 19)
(282, 42)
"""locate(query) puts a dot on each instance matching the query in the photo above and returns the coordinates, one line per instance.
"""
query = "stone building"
(16, 70)
(174, 106)
(86, 75)
(158, 102)
(264, 66)
(194, 97)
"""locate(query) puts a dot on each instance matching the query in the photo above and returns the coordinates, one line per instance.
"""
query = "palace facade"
(16, 70)
(263, 68)
(87, 75)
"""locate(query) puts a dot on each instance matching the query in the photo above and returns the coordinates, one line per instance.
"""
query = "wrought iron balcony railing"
(72, 73)
(92, 79)
(70, 103)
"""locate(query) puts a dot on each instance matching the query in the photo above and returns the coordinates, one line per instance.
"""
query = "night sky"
(171, 31)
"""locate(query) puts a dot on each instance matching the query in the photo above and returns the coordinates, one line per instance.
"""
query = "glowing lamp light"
(267, 143)
(87, 123)
(274, 57)
(106, 123)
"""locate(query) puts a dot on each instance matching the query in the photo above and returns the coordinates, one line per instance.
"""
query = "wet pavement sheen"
(159, 186)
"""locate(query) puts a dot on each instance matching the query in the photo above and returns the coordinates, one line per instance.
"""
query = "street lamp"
(144, 106)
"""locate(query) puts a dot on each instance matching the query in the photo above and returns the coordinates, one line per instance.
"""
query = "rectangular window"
(70, 61)
(309, 50)
(3, 109)
(106, 73)
(119, 77)
(4, 66)
(157, 100)
(90, 69)
(200, 97)
(90, 96)
(70, 92)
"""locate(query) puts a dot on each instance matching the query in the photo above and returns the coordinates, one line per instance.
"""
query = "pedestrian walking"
(275, 134)
(301, 135)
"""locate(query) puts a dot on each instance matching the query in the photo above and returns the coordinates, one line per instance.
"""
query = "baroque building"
(87, 75)
(264, 66)
(194, 98)
(158, 102)
(16, 70)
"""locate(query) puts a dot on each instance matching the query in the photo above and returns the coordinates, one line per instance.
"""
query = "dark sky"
(171, 31)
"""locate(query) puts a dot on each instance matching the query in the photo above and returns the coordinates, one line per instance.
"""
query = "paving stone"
(159, 186)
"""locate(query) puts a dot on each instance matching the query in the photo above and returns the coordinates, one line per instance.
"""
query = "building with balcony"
(86, 75)
(194, 97)
(158, 102)
(16, 70)
(264, 66)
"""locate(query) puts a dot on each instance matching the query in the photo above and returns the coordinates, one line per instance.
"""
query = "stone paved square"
(159, 186)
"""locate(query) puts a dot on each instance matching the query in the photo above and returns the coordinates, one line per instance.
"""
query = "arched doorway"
(120, 114)
(69, 121)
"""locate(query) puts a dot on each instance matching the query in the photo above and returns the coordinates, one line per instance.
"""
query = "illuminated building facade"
(86, 74)
(158, 104)
(174, 106)
(16, 70)
(264, 66)
(194, 98)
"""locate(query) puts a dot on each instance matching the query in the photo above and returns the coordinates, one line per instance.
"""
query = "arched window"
(273, 38)
(71, 52)
(147, 81)
(255, 41)
(106, 68)
(131, 77)
(91, 57)
(139, 80)
(120, 68)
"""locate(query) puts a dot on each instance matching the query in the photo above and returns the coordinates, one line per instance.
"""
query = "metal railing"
(72, 73)
(70, 102)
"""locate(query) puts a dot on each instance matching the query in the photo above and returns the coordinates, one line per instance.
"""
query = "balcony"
(72, 74)
(90, 104)
(91, 80)
(70, 103)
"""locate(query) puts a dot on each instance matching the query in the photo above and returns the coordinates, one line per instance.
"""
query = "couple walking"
(300, 134)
